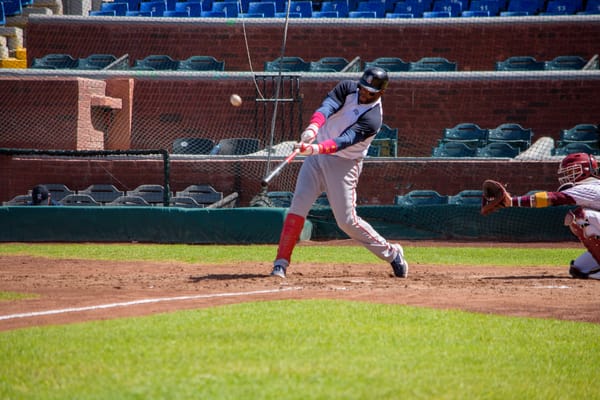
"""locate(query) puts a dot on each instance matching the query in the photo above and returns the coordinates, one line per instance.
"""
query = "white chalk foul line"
(144, 301)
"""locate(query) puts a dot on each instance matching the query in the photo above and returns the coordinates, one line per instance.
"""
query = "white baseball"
(235, 100)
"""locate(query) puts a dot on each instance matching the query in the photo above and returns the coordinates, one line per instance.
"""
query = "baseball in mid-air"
(235, 100)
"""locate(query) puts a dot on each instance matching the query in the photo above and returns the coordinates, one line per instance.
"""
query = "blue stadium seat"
(55, 61)
(388, 4)
(203, 194)
(213, 14)
(96, 61)
(513, 134)
(280, 6)
(466, 197)
(339, 6)
(281, 198)
(470, 13)
(580, 133)
(201, 63)
(399, 15)
(267, 9)
(433, 64)
(99, 13)
(514, 13)
(561, 7)
(193, 9)
(291, 15)
(102, 192)
(390, 64)
(576, 147)
(531, 7)
(452, 7)
(436, 14)
(133, 5)
(230, 8)
(155, 8)
(120, 9)
(325, 14)
(328, 64)
(193, 145)
(409, 8)
(520, 63)
(12, 8)
(156, 62)
(170, 4)
(176, 14)
(362, 14)
(304, 8)
(2, 15)
(236, 146)
(467, 132)
(592, 7)
(206, 5)
(565, 62)
(372, 6)
(492, 6)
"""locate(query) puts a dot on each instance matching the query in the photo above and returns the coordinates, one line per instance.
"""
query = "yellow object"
(12, 63)
(541, 199)
(21, 53)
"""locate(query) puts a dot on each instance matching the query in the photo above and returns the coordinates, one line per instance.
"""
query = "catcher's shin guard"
(585, 224)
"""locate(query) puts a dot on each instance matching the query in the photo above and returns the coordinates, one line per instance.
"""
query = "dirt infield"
(99, 289)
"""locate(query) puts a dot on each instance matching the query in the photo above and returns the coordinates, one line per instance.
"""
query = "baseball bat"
(277, 170)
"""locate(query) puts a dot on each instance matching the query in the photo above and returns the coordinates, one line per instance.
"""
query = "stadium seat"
(184, 201)
(155, 8)
(385, 143)
(514, 13)
(415, 7)
(339, 6)
(79, 200)
(390, 64)
(150, 193)
(513, 134)
(129, 201)
(18, 200)
(453, 149)
(156, 63)
(230, 8)
(288, 64)
(562, 7)
(102, 192)
(291, 15)
(328, 64)
(453, 7)
(119, 8)
(262, 7)
(280, 199)
(193, 9)
(236, 146)
(2, 15)
(581, 133)
(98, 13)
(576, 147)
(213, 14)
(421, 198)
(193, 145)
(565, 63)
(433, 64)
(470, 14)
(201, 63)
(304, 8)
(389, 5)
(466, 197)
(399, 15)
(520, 63)
(362, 14)
(531, 7)
(325, 14)
(58, 191)
(12, 8)
(498, 149)
(493, 7)
(96, 61)
(469, 133)
(436, 14)
(203, 194)
(55, 61)
(374, 6)
(591, 7)
(176, 14)
(133, 5)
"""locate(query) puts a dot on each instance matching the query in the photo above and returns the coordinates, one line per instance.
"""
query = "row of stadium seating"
(144, 195)
(346, 8)
(509, 140)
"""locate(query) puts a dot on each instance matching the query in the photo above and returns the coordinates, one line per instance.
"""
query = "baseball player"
(579, 185)
(336, 141)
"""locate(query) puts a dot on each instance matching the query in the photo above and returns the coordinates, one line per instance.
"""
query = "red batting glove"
(306, 149)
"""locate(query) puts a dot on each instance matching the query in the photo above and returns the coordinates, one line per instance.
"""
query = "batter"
(337, 140)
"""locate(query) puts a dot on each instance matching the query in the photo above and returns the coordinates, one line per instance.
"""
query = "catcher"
(579, 185)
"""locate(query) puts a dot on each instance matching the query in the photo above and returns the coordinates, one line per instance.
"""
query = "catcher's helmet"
(374, 79)
(577, 167)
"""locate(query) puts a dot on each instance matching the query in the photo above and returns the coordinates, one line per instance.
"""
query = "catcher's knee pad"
(585, 224)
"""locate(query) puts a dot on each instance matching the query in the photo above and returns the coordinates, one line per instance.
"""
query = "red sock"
(290, 233)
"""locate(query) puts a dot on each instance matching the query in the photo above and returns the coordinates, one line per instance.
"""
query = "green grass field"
(313, 349)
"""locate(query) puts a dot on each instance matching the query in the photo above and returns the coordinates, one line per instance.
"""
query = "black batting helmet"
(374, 79)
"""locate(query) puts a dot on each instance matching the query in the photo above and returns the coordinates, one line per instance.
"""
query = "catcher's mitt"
(494, 196)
